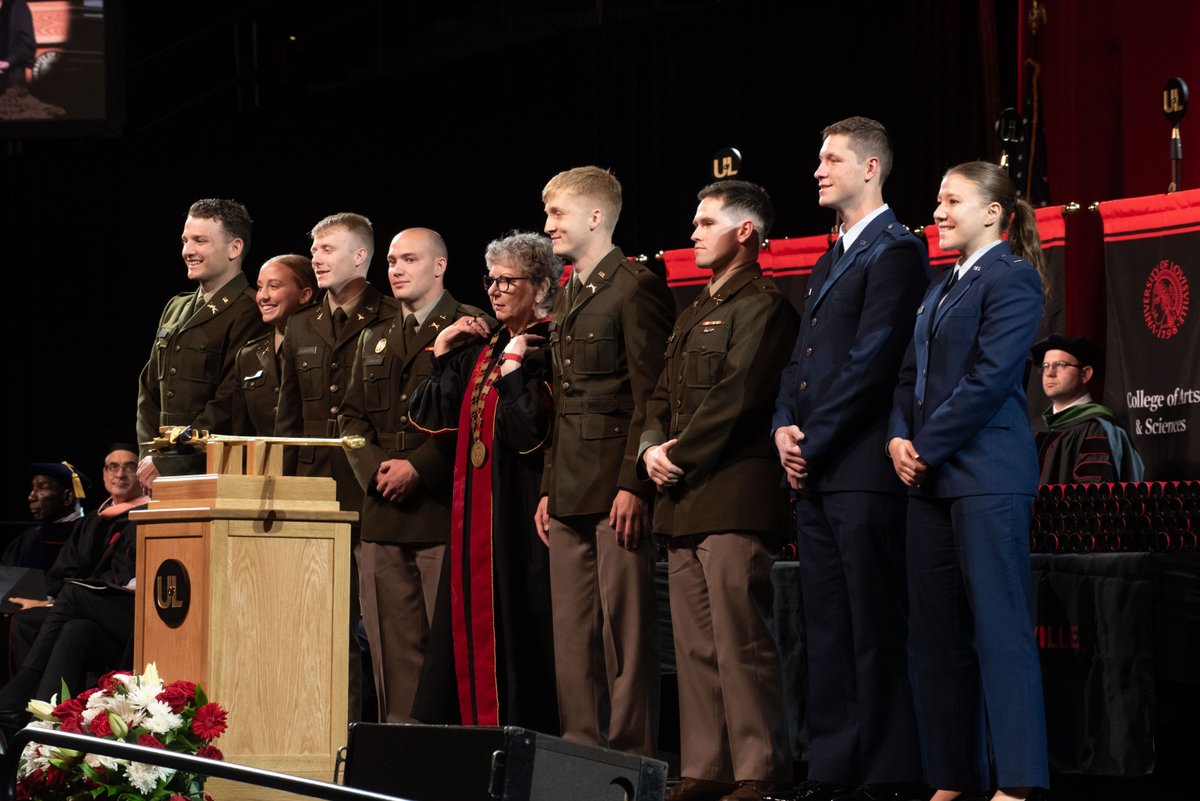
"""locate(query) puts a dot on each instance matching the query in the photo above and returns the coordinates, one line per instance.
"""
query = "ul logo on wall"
(1165, 299)
(172, 593)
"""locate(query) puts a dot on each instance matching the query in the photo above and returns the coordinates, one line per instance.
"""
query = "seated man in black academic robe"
(1082, 444)
(84, 547)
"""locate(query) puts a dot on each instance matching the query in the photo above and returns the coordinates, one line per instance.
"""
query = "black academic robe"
(490, 657)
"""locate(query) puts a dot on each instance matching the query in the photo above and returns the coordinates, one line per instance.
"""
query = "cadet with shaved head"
(405, 474)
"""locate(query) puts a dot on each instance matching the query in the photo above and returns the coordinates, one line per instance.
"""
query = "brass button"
(808, 351)
(170, 393)
(333, 410)
(813, 322)
(567, 338)
(177, 349)
(567, 362)
(590, 335)
(403, 420)
(333, 366)
(333, 387)
(803, 385)
(404, 397)
(566, 385)
(171, 371)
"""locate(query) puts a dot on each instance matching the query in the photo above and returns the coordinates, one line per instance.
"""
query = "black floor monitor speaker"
(463, 763)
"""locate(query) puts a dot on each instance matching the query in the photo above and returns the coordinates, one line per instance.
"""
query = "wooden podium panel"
(264, 626)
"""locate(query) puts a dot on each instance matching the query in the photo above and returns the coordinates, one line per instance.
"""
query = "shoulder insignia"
(213, 308)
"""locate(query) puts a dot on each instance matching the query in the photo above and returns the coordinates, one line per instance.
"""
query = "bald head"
(417, 267)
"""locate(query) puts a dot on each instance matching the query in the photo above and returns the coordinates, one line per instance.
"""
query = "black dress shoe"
(752, 791)
(812, 790)
(689, 789)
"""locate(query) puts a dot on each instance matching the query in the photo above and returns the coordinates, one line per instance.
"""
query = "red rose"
(100, 725)
(210, 752)
(209, 722)
(178, 694)
(68, 709)
(150, 741)
(55, 777)
(72, 724)
(108, 681)
(178, 797)
(86, 694)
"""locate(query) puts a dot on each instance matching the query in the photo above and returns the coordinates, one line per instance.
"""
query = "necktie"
(575, 287)
(410, 333)
(839, 247)
(339, 322)
(950, 284)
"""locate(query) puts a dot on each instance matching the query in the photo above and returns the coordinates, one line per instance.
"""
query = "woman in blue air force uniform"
(959, 437)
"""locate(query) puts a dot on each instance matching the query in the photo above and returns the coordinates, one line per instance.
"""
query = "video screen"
(53, 60)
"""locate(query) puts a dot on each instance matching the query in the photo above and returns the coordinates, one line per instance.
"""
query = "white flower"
(89, 713)
(146, 777)
(141, 696)
(99, 761)
(99, 700)
(160, 719)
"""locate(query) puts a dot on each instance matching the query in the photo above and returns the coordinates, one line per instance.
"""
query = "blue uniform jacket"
(961, 396)
(837, 387)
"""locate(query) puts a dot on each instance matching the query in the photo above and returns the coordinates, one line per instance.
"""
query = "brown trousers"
(731, 710)
(397, 587)
(604, 636)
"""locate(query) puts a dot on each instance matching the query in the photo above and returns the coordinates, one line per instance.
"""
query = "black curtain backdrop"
(377, 109)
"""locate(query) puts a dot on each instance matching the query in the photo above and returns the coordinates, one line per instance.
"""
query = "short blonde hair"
(356, 224)
(592, 183)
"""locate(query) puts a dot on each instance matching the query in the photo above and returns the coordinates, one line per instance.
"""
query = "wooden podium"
(243, 588)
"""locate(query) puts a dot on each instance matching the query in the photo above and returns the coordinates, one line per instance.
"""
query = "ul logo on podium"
(172, 592)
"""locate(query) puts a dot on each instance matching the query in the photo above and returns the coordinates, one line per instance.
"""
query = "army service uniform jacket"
(607, 349)
(716, 396)
(257, 397)
(314, 373)
(382, 381)
(190, 377)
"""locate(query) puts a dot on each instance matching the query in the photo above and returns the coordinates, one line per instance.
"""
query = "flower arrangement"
(133, 709)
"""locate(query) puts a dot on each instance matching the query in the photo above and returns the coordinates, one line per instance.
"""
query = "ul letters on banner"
(1152, 260)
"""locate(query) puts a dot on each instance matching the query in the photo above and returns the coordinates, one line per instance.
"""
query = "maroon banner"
(1152, 258)
(788, 262)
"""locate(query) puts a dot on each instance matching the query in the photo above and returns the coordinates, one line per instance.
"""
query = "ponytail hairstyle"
(1016, 215)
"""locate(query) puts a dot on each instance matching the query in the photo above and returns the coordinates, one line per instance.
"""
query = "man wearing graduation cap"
(1083, 444)
(56, 490)
(92, 541)
(189, 379)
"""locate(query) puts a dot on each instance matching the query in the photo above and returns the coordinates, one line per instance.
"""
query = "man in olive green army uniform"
(406, 475)
(707, 446)
(607, 336)
(315, 364)
(190, 378)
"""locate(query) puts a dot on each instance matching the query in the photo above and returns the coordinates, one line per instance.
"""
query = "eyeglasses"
(505, 282)
(113, 468)
(1054, 367)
